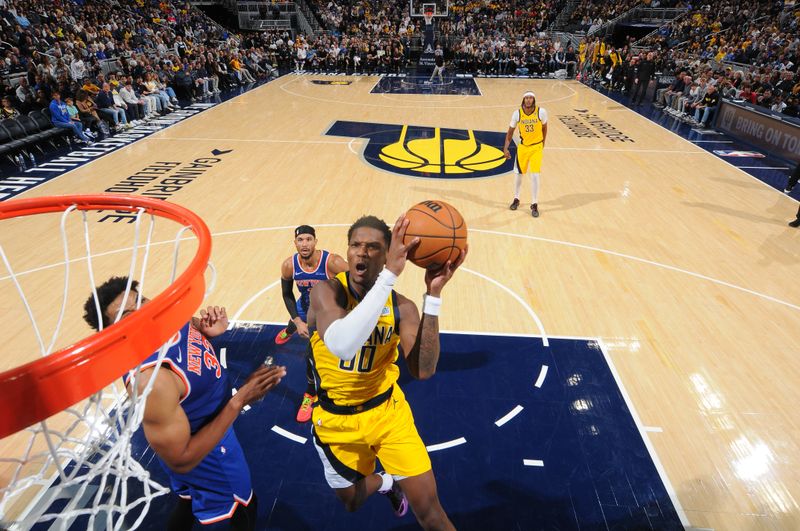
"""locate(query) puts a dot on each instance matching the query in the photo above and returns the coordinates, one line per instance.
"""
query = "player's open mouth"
(361, 267)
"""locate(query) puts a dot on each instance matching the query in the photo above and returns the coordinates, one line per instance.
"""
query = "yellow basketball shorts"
(349, 444)
(529, 158)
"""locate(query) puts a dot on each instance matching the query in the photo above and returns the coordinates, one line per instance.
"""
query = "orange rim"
(39, 389)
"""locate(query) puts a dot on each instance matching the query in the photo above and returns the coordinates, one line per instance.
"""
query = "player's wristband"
(431, 305)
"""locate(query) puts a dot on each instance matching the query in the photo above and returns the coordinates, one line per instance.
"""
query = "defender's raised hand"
(213, 321)
(259, 383)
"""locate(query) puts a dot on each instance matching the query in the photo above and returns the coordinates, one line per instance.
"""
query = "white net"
(76, 470)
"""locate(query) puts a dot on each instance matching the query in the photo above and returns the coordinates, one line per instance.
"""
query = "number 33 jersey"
(373, 370)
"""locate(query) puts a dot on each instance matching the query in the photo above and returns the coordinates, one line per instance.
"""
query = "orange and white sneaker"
(282, 337)
(306, 406)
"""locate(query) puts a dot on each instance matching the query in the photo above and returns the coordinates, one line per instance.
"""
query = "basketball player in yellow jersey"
(359, 321)
(532, 122)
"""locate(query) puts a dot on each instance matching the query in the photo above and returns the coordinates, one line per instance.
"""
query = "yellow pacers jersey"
(530, 127)
(372, 371)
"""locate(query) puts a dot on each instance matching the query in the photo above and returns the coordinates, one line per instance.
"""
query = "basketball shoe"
(306, 407)
(282, 337)
(398, 500)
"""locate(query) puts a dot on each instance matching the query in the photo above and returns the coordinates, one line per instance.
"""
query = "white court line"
(453, 332)
(289, 435)
(622, 150)
(644, 261)
(485, 231)
(433, 103)
(503, 334)
(378, 82)
(711, 141)
(533, 462)
(250, 301)
(763, 168)
(233, 392)
(651, 450)
(350, 146)
(517, 298)
(448, 97)
(153, 136)
(508, 416)
(542, 376)
(685, 140)
(350, 143)
(445, 445)
(653, 429)
(253, 140)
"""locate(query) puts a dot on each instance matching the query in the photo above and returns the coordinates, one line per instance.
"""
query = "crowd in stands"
(118, 63)
(746, 52)
(497, 37)
(590, 14)
(112, 65)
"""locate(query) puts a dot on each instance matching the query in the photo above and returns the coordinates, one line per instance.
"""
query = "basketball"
(441, 230)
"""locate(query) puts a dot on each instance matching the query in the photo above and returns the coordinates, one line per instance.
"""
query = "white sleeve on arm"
(542, 115)
(514, 119)
(345, 337)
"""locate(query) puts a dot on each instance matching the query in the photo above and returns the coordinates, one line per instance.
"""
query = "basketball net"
(83, 472)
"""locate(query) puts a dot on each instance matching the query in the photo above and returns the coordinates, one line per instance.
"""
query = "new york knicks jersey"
(530, 127)
(372, 371)
(193, 359)
(306, 280)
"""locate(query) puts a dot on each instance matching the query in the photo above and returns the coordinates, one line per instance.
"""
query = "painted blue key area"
(450, 86)
(597, 472)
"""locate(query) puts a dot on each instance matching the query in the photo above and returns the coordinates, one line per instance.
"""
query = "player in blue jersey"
(189, 414)
(306, 268)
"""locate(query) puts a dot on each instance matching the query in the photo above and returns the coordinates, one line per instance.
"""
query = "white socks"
(386, 482)
(534, 186)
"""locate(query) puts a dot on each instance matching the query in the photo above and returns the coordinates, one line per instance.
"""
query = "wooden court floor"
(682, 264)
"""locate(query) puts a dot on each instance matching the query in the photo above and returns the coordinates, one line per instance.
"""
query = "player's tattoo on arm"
(424, 355)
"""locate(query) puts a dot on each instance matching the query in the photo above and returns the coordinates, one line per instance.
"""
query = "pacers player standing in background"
(306, 268)
(360, 321)
(532, 122)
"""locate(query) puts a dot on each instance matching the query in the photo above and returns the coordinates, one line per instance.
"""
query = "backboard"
(441, 8)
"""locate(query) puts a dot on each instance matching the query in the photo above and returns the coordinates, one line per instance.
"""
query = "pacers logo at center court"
(433, 152)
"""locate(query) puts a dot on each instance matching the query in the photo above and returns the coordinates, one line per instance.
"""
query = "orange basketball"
(441, 230)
